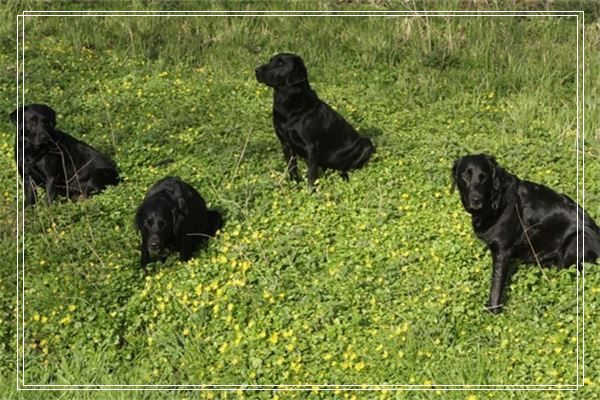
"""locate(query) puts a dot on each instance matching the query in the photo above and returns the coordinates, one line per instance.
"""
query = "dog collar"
(296, 82)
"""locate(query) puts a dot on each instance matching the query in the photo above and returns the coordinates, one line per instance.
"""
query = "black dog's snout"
(153, 244)
(259, 72)
(475, 201)
(475, 198)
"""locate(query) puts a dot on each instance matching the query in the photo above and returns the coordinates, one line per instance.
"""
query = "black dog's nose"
(475, 201)
(259, 73)
(153, 244)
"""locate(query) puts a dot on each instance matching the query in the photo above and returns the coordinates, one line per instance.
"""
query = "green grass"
(377, 281)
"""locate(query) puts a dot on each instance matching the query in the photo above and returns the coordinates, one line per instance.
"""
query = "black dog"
(521, 220)
(308, 127)
(173, 216)
(53, 159)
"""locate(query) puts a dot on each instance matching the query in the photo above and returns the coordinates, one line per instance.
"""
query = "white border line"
(17, 205)
(291, 15)
(290, 387)
(583, 196)
(577, 195)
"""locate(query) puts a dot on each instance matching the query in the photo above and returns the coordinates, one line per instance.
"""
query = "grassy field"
(378, 280)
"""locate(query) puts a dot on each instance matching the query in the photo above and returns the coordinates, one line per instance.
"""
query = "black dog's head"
(159, 220)
(479, 181)
(283, 70)
(39, 123)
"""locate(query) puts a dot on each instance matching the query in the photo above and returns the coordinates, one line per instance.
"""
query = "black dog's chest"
(293, 131)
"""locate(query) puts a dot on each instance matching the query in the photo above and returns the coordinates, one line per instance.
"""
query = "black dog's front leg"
(29, 189)
(500, 272)
(313, 164)
(291, 162)
(50, 190)
(188, 244)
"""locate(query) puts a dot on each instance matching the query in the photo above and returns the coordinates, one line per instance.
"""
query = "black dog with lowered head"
(62, 164)
(173, 216)
(307, 126)
(522, 220)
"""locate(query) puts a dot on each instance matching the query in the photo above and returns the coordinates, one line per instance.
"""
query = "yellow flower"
(274, 338)
(360, 366)
(223, 347)
(186, 332)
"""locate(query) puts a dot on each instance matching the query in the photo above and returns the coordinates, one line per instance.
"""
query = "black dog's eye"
(279, 63)
(161, 223)
(466, 175)
(482, 177)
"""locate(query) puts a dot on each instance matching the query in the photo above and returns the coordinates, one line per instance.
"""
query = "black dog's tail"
(215, 222)
(110, 176)
(101, 180)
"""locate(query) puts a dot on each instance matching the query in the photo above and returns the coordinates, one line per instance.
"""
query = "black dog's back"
(552, 228)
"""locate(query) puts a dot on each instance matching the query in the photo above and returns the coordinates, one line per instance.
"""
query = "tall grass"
(501, 54)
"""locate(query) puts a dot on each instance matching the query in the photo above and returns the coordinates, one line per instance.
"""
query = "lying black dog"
(308, 127)
(62, 164)
(173, 216)
(521, 220)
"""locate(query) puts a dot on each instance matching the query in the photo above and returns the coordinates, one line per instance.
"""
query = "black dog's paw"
(497, 309)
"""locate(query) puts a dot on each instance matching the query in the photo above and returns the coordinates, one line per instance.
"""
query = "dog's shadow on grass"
(370, 132)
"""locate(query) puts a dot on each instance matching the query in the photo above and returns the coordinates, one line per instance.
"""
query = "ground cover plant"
(379, 280)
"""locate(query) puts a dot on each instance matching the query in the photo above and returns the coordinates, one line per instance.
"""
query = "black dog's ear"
(50, 114)
(497, 176)
(13, 116)
(298, 74)
(177, 221)
(454, 172)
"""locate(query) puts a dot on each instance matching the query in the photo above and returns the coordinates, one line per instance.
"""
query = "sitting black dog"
(308, 127)
(173, 216)
(62, 164)
(522, 220)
